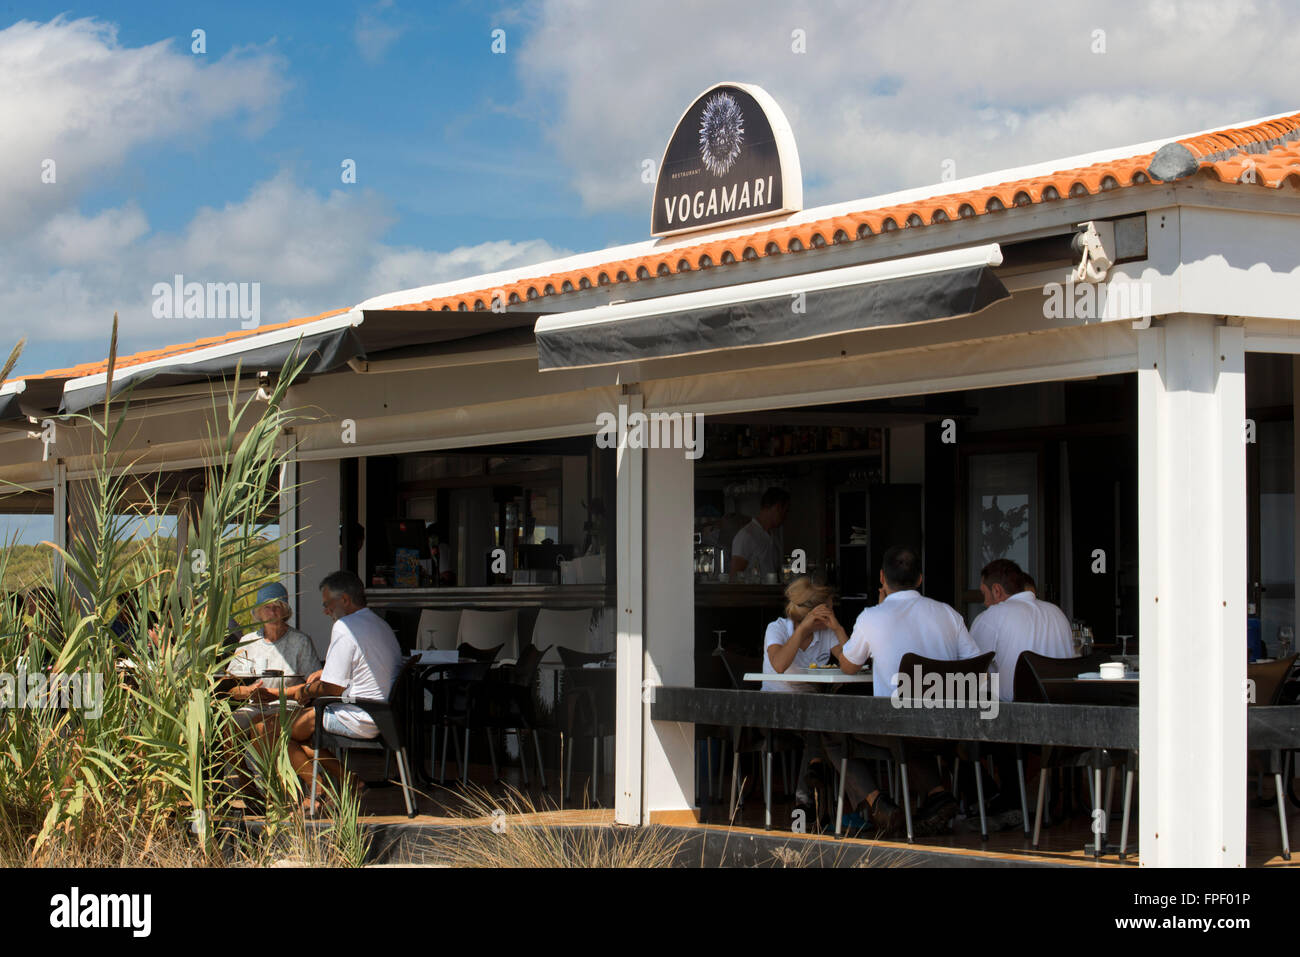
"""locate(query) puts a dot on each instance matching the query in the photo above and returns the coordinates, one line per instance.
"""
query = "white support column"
(60, 513)
(1192, 591)
(289, 531)
(669, 760)
(631, 645)
(316, 530)
(1295, 480)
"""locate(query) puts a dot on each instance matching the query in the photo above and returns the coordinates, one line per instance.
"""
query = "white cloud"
(309, 253)
(71, 93)
(887, 90)
(373, 35)
(396, 269)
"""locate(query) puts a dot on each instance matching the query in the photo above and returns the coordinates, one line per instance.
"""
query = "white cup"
(1111, 670)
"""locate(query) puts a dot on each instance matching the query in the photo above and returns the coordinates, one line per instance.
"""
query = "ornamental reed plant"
(144, 753)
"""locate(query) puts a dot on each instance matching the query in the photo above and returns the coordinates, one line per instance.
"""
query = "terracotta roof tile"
(138, 358)
(1265, 154)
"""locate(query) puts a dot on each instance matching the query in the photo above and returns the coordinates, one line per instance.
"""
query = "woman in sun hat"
(274, 646)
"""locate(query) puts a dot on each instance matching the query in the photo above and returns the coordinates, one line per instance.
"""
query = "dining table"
(821, 676)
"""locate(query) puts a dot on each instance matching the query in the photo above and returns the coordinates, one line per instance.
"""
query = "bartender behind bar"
(753, 544)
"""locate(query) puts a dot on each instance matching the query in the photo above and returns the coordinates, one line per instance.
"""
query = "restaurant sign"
(731, 158)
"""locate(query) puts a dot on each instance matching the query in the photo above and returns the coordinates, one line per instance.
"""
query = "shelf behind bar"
(795, 458)
(501, 596)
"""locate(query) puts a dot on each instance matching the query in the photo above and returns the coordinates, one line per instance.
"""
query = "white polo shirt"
(906, 621)
(754, 544)
(817, 652)
(1021, 623)
(364, 658)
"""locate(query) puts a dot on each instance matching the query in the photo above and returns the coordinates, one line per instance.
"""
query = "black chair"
(1269, 680)
(510, 706)
(942, 669)
(469, 652)
(457, 706)
(392, 717)
(1031, 669)
(1109, 694)
(747, 740)
(586, 711)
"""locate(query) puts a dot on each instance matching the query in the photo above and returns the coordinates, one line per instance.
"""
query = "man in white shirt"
(1016, 620)
(754, 545)
(903, 621)
(362, 661)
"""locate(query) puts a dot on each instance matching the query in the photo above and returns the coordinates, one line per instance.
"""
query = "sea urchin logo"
(721, 132)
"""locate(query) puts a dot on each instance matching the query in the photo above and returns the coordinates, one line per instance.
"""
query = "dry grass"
(508, 830)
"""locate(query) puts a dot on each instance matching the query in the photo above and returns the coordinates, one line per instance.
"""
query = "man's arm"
(314, 688)
(848, 666)
(855, 646)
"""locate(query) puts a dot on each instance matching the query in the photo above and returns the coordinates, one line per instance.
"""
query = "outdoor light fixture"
(265, 385)
(1095, 241)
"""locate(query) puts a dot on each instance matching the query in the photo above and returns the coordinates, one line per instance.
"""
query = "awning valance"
(325, 345)
(917, 289)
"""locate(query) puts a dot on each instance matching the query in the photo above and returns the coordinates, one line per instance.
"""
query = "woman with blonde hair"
(804, 636)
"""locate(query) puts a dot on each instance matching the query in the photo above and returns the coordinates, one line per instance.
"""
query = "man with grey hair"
(362, 661)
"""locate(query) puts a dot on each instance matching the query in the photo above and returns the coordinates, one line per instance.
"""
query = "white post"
(289, 531)
(1192, 592)
(1295, 475)
(60, 514)
(669, 759)
(631, 645)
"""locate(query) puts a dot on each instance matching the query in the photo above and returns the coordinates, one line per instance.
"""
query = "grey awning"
(918, 289)
(324, 344)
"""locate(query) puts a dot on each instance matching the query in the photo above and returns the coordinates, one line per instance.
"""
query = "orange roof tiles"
(138, 358)
(1265, 154)
(1272, 148)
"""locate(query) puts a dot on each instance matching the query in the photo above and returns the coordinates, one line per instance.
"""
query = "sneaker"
(851, 822)
(886, 815)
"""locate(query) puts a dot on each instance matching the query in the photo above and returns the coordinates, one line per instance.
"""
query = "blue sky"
(225, 166)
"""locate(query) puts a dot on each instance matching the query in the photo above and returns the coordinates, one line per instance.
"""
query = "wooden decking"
(1062, 844)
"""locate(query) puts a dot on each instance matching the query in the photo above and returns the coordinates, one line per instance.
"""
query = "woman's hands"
(823, 616)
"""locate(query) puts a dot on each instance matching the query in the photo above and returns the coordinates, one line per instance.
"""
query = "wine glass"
(1286, 641)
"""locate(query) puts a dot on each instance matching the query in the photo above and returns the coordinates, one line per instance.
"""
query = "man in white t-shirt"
(362, 661)
(754, 545)
(903, 621)
(1016, 620)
